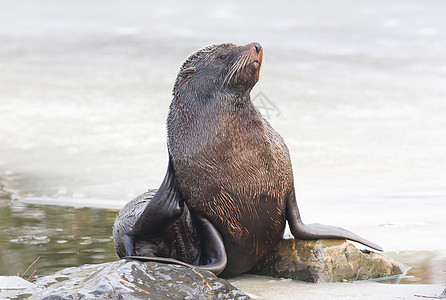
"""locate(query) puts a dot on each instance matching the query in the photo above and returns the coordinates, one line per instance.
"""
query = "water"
(85, 88)
(59, 237)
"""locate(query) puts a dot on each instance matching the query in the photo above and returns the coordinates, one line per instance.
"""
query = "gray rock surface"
(132, 280)
(12, 285)
(325, 261)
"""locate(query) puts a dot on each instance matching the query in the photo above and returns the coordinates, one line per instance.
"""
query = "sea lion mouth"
(256, 64)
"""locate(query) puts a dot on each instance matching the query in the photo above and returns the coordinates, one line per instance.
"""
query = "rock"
(132, 280)
(12, 285)
(325, 261)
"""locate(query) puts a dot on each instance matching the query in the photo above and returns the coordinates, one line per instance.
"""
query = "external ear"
(186, 73)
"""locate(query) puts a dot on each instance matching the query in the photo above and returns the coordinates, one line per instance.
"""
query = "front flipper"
(164, 208)
(318, 231)
(212, 254)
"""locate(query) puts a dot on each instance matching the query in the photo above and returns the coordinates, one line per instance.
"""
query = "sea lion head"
(220, 68)
(212, 86)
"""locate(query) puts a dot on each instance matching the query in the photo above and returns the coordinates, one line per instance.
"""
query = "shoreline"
(262, 287)
(425, 264)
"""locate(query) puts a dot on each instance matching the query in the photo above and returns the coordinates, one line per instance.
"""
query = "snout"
(256, 47)
(256, 51)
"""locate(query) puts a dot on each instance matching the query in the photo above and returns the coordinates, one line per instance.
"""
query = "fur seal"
(229, 187)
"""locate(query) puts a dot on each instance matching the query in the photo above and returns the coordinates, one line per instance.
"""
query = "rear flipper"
(318, 231)
(212, 254)
(164, 209)
(160, 213)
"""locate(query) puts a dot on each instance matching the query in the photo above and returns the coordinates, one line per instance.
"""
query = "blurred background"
(357, 90)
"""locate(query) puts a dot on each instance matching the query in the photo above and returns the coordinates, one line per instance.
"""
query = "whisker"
(237, 67)
(231, 73)
(243, 63)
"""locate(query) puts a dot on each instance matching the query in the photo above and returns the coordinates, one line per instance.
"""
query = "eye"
(223, 57)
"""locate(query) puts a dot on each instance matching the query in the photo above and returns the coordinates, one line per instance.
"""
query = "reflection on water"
(61, 236)
(426, 266)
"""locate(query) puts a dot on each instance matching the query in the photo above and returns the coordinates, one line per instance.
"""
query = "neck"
(193, 123)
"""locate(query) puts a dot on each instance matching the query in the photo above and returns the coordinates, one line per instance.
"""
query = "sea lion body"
(239, 182)
(227, 166)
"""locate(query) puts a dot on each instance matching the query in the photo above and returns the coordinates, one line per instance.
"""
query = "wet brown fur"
(231, 166)
(229, 190)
